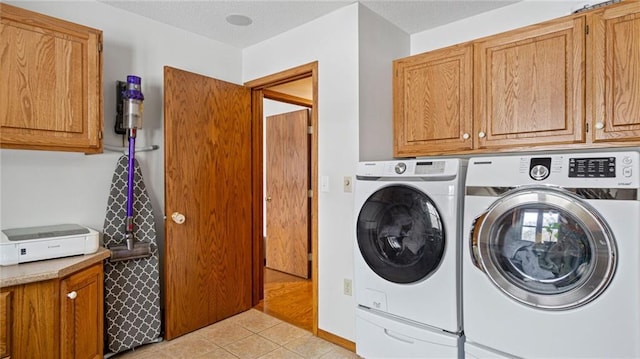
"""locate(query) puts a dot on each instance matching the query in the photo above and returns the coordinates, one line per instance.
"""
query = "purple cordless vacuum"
(132, 97)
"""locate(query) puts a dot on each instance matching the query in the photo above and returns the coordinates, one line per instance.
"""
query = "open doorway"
(279, 289)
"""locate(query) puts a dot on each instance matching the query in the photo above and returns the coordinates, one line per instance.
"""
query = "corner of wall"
(379, 43)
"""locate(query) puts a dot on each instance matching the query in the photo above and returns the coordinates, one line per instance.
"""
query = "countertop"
(49, 269)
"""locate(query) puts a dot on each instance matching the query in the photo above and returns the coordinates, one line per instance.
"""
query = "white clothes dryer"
(551, 263)
(407, 253)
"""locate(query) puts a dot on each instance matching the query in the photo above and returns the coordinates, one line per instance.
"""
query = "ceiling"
(272, 17)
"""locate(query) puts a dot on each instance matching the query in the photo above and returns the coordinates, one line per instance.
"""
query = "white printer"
(20, 245)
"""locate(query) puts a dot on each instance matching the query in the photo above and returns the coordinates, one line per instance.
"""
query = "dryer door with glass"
(544, 247)
(400, 234)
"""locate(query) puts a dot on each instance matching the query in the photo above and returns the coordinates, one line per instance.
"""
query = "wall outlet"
(348, 288)
(348, 185)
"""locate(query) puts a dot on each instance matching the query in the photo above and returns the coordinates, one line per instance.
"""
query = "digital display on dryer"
(429, 167)
(592, 167)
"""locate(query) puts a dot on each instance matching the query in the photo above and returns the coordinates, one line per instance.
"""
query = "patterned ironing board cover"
(132, 287)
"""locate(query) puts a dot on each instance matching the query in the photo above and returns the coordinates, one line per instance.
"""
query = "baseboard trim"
(347, 344)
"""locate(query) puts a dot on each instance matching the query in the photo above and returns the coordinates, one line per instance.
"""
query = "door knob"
(178, 217)
(268, 199)
(72, 295)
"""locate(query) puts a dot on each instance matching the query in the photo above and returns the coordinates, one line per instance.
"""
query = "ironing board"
(131, 287)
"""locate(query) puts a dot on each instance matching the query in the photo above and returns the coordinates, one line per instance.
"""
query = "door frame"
(258, 88)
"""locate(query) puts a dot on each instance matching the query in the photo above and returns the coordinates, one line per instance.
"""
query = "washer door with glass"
(544, 247)
(400, 234)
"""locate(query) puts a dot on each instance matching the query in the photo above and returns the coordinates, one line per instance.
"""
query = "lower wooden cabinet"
(57, 318)
(81, 318)
(5, 324)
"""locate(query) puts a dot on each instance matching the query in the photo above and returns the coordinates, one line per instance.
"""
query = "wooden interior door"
(287, 188)
(207, 258)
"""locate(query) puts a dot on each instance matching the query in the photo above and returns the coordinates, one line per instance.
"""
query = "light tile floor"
(248, 335)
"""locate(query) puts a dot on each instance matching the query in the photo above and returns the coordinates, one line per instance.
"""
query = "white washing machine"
(551, 262)
(479, 351)
(407, 257)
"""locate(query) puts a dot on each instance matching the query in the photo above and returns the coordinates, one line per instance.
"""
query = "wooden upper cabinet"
(529, 86)
(615, 59)
(433, 94)
(50, 83)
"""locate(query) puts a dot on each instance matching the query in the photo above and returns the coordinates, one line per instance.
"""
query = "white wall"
(332, 40)
(506, 18)
(380, 42)
(41, 187)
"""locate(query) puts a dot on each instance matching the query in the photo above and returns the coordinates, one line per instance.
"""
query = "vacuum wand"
(130, 178)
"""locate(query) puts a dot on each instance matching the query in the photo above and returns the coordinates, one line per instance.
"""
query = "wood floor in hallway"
(288, 298)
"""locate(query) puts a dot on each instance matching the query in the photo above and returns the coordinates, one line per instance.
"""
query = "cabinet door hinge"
(100, 46)
(310, 130)
(99, 135)
(310, 193)
(586, 29)
(587, 128)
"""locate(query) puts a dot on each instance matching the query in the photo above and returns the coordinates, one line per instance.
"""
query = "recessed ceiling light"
(239, 20)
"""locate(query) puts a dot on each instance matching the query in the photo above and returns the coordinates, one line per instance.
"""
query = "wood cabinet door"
(5, 323)
(35, 320)
(432, 97)
(50, 83)
(615, 65)
(81, 314)
(529, 86)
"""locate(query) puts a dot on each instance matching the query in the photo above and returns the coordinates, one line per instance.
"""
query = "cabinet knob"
(178, 217)
(268, 199)
(465, 136)
(481, 134)
(72, 295)
(599, 125)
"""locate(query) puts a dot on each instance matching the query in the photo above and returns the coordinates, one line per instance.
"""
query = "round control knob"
(599, 125)
(72, 295)
(481, 134)
(539, 172)
(400, 168)
(465, 136)
(178, 217)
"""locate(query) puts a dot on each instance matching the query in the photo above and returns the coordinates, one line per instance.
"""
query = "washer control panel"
(539, 168)
(400, 168)
(614, 169)
(436, 169)
(592, 167)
